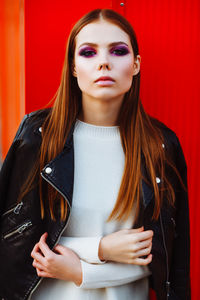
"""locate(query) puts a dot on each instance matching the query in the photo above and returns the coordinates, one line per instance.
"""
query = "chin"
(108, 95)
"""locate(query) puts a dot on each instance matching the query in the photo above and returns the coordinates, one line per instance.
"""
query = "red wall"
(47, 25)
(168, 34)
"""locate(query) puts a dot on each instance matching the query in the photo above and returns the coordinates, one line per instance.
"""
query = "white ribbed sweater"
(99, 165)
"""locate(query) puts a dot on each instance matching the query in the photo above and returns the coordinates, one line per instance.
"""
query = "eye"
(87, 52)
(119, 51)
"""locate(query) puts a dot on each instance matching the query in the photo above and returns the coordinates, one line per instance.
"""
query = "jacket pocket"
(17, 231)
(14, 209)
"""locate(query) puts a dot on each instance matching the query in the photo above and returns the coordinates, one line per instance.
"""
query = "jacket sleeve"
(180, 266)
(6, 169)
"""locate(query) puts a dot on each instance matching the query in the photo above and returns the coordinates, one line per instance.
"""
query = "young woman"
(93, 190)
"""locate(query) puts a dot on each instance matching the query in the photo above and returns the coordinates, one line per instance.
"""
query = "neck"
(100, 112)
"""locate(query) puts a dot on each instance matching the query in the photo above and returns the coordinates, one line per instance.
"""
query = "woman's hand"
(61, 263)
(127, 246)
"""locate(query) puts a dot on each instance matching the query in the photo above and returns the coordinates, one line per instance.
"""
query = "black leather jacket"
(21, 225)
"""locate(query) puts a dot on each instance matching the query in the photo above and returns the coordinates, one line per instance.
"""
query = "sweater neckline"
(88, 129)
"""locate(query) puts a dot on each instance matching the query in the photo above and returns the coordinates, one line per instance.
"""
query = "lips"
(104, 78)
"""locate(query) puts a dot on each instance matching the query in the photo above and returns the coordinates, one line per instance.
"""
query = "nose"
(104, 66)
(104, 62)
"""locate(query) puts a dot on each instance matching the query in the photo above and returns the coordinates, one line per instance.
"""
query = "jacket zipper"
(173, 221)
(18, 230)
(167, 258)
(15, 209)
(36, 286)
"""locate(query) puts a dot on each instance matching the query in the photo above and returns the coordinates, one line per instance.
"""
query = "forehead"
(100, 33)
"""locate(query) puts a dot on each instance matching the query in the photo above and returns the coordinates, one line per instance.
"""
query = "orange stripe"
(11, 69)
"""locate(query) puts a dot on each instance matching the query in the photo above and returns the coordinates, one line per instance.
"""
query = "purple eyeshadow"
(119, 50)
(87, 52)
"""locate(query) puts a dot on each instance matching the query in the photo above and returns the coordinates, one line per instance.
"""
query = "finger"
(60, 249)
(39, 257)
(38, 265)
(135, 230)
(42, 273)
(67, 252)
(143, 252)
(36, 253)
(43, 245)
(142, 236)
(35, 249)
(141, 245)
(143, 261)
(44, 237)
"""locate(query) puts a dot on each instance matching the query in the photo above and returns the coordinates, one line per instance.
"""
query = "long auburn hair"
(140, 138)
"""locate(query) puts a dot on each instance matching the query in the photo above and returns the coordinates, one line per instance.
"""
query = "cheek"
(126, 68)
(126, 75)
(82, 74)
(82, 81)
(83, 66)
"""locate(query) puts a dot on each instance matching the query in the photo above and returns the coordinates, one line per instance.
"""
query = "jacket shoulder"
(173, 146)
(31, 123)
(170, 137)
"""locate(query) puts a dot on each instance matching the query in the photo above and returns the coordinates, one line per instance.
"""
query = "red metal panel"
(47, 25)
(168, 34)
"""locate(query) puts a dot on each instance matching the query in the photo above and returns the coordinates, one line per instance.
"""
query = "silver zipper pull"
(173, 221)
(167, 287)
(18, 230)
(17, 208)
(23, 227)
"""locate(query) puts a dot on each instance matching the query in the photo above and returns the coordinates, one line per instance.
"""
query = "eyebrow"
(95, 45)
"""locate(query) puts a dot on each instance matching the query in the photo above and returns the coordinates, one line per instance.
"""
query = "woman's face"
(104, 62)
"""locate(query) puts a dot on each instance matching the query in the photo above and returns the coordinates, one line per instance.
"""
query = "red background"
(168, 35)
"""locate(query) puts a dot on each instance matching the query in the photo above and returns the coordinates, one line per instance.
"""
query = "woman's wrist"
(101, 251)
(78, 276)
